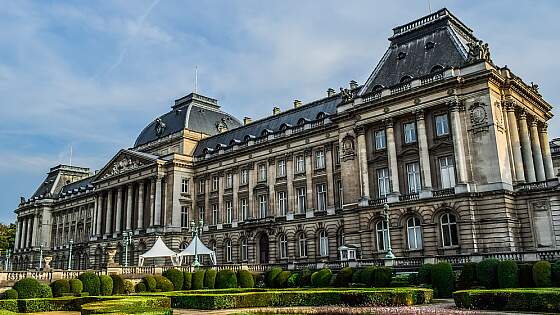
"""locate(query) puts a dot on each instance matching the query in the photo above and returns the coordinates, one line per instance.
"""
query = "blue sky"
(91, 74)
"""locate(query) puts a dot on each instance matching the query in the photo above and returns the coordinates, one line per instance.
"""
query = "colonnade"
(66, 225)
(26, 231)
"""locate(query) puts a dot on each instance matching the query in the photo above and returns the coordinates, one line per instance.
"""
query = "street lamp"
(70, 242)
(127, 240)
(389, 254)
(41, 256)
(195, 232)
(8, 255)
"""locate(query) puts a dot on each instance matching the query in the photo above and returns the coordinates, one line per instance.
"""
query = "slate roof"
(48, 185)
(78, 186)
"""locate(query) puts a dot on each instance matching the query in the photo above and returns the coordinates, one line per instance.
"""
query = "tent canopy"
(197, 246)
(159, 250)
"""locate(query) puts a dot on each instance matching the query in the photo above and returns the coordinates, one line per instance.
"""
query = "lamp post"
(389, 254)
(41, 256)
(8, 255)
(70, 242)
(196, 230)
(127, 240)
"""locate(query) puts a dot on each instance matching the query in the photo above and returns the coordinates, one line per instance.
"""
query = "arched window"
(436, 68)
(414, 233)
(302, 245)
(283, 244)
(449, 236)
(382, 235)
(323, 243)
(227, 249)
(244, 249)
(406, 78)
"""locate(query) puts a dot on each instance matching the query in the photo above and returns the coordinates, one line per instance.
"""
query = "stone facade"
(454, 144)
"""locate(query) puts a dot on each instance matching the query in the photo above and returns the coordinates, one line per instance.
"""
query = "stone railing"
(443, 192)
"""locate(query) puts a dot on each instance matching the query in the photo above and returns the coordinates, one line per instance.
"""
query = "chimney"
(330, 92)
(353, 85)
(276, 110)
(297, 103)
(247, 120)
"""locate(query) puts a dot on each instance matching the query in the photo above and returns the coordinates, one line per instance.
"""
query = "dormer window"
(436, 68)
(406, 79)
(401, 55)
(429, 45)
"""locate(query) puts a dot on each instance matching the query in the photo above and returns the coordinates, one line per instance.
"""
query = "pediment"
(123, 162)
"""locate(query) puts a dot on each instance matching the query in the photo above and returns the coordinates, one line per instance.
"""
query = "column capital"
(389, 122)
(544, 128)
(360, 130)
(271, 161)
(308, 152)
(141, 183)
(455, 106)
(419, 113)
(522, 114)
(534, 122)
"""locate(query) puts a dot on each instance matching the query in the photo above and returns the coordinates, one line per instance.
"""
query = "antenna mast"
(70, 155)
(196, 79)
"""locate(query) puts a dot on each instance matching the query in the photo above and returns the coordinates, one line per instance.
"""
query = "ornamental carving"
(347, 95)
(478, 51)
(221, 126)
(160, 127)
(123, 165)
(348, 148)
(478, 114)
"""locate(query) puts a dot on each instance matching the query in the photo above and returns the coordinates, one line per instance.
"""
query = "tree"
(7, 236)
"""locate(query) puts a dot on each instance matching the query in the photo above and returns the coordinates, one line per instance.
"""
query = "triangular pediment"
(125, 161)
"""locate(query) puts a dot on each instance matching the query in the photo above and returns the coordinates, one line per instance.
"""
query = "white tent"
(160, 250)
(201, 249)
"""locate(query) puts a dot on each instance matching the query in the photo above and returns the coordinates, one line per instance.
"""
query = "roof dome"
(194, 112)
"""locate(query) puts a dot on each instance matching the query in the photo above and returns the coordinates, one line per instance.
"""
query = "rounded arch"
(436, 68)
(220, 146)
(436, 215)
(263, 248)
(302, 121)
(234, 142)
(321, 115)
(248, 138)
(405, 79)
(285, 126)
(377, 87)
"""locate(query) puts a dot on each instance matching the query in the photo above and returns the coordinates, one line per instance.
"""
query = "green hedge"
(291, 298)
(187, 280)
(382, 277)
(198, 279)
(245, 279)
(343, 277)
(507, 274)
(541, 274)
(118, 285)
(322, 278)
(163, 284)
(91, 282)
(367, 275)
(467, 277)
(131, 305)
(294, 280)
(68, 303)
(281, 281)
(425, 274)
(45, 291)
(357, 275)
(210, 278)
(106, 285)
(226, 279)
(487, 273)
(443, 279)
(271, 275)
(129, 287)
(555, 273)
(76, 286)
(525, 300)
(140, 287)
(176, 277)
(150, 283)
(525, 275)
(60, 287)
(10, 294)
(27, 288)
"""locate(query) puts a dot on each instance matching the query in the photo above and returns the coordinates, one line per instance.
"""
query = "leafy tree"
(7, 236)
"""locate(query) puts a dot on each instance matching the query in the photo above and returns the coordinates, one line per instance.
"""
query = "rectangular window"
(244, 178)
(442, 125)
(282, 203)
(185, 216)
(215, 183)
(300, 164)
(184, 185)
(229, 212)
(244, 208)
(319, 159)
(201, 187)
(447, 172)
(410, 132)
(383, 182)
(263, 205)
(244, 250)
(215, 214)
(301, 199)
(201, 213)
(321, 197)
(281, 168)
(413, 176)
(262, 172)
(340, 193)
(229, 180)
(380, 140)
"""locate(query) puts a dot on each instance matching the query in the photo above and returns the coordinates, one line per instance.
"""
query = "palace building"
(456, 146)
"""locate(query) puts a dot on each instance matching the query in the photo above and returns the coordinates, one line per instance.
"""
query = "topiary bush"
(487, 273)
(322, 278)
(425, 274)
(245, 279)
(176, 277)
(294, 280)
(281, 281)
(525, 275)
(271, 275)
(128, 287)
(467, 277)
(305, 280)
(60, 287)
(226, 279)
(210, 278)
(10, 294)
(45, 291)
(27, 288)
(198, 279)
(140, 287)
(367, 275)
(382, 277)
(187, 280)
(555, 273)
(507, 274)
(343, 277)
(163, 284)
(541, 274)
(357, 275)
(106, 285)
(443, 279)
(118, 284)
(150, 283)
(90, 282)
(76, 286)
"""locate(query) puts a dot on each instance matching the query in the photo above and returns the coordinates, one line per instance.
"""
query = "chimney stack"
(297, 103)
(276, 110)
(353, 85)
(330, 92)
(247, 120)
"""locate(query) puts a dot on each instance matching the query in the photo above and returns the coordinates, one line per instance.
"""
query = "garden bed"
(534, 300)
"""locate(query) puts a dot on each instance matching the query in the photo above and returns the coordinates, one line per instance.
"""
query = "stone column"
(29, 237)
(423, 151)
(362, 162)
(18, 230)
(392, 157)
(119, 209)
(458, 143)
(207, 207)
(309, 179)
(289, 182)
(330, 178)
(24, 234)
(152, 201)
(99, 214)
(109, 216)
(515, 144)
(530, 175)
(271, 178)
(221, 206)
(157, 218)
(235, 193)
(140, 223)
(537, 154)
(129, 193)
(547, 157)
(35, 234)
(252, 176)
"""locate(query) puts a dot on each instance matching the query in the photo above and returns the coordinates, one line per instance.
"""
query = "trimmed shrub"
(305, 280)
(140, 287)
(322, 278)
(413, 278)
(210, 278)
(541, 274)
(357, 276)
(163, 284)
(367, 275)
(467, 277)
(45, 291)
(128, 287)
(150, 283)
(10, 294)
(525, 275)
(555, 273)
(198, 279)
(27, 288)
(443, 279)
(343, 277)
(175, 276)
(519, 300)
(281, 281)
(118, 284)
(382, 277)
(245, 279)
(60, 287)
(106, 285)
(153, 305)
(270, 276)
(226, 279)
(90, 282)
(425, 274)
(187, 280)
(507, 274)
(294, 280)
(76, 286)
(487, 273)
